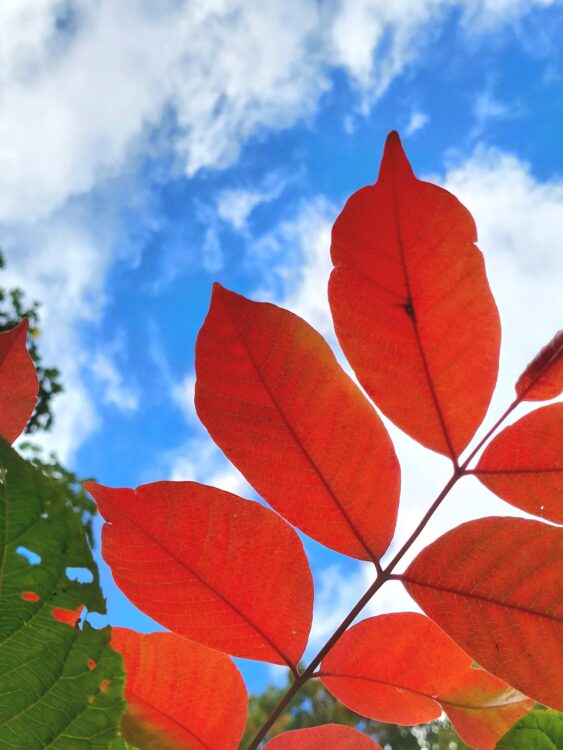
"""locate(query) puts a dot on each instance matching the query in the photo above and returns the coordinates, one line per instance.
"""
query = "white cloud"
(295, 263)
(199, 460)
(417, 121)
(84, 84)
(183, 395)
(76, 104)
(235, 205)
(115, 391)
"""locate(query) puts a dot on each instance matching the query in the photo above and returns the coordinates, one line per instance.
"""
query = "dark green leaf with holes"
(538, 730)
(61, 686)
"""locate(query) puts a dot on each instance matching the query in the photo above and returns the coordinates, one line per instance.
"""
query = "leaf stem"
(308, 673)
(493, 429)
(383, 575)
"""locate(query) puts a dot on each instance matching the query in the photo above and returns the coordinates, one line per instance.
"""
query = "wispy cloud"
(235, 205)
(417, 121)
(114, 390)
(225, 70)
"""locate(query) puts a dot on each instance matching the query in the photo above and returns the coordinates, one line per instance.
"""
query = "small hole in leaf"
(91, 664)
(44, 515)
(104, 686)
(32, 557)
(30, 596)
(91, 698)
(82, 575)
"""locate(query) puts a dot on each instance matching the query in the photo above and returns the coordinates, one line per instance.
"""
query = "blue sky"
(148, 149)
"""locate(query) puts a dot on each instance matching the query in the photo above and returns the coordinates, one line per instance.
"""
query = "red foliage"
(412, 306)
(327, 737)
(416, 319)
(181, 696)
(208, 565)
(18, 382)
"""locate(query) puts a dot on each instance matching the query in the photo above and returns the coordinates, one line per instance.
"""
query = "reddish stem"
(382, 577)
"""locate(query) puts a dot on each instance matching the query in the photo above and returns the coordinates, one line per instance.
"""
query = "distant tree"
(13, 308)
(314, 706)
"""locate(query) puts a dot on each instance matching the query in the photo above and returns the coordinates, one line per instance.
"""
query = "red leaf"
(543, 377)
(391, 668)
(181, 696)
(412, 306)
(524, 463)
(482, 708)
(18, 382)
(273, 397)
(210, 566)
(494, 585)
(326, 737)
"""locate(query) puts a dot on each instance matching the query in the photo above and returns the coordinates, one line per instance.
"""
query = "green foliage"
(539, 730)
(120, 744)
(70, 485)
(62, 685)
(13, 308)
(314, 706)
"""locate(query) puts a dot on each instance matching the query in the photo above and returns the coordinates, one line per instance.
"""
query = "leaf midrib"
(183, 563)
(373, 557)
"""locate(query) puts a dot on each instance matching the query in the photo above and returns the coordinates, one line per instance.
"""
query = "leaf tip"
(102, 496)
(394, 160)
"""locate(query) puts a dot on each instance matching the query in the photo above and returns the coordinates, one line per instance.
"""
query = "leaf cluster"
(417, 321)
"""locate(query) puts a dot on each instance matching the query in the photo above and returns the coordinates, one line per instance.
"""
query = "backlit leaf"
(412, 306)
(61, 686)
(494, 585)
(220, 570)
(18, 382)
(274, 399)
(482, 708)
(543, 377)
(524, 463)
(326, 737)
(180, 695)
(540, 730)
(391, 668)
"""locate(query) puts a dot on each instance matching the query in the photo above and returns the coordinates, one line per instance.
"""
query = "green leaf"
(539, 730)
(60, 686)
(121, 744)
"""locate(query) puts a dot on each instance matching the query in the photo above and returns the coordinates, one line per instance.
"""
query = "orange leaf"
(273, 397)
(412, 306)
(180, 695)
(210, 566)
(543, 377)
(482, 708)
(326, 737)
(524, 463)
(391, 668)
(494, 585)
(18, 382)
